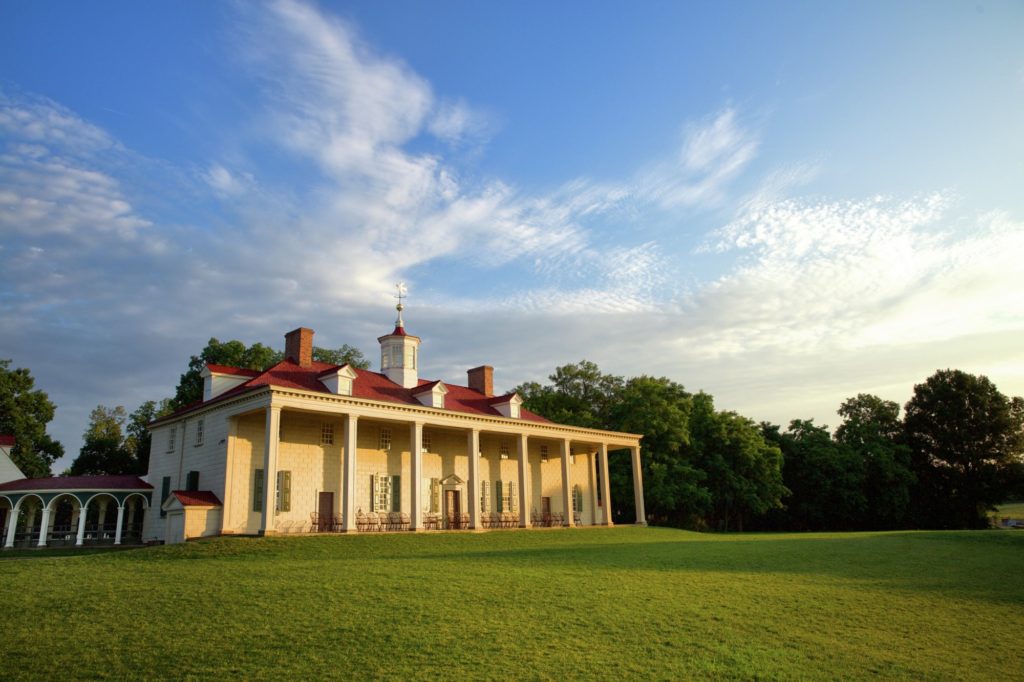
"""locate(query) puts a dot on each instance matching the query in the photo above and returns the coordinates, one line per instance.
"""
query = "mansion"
(306, 446)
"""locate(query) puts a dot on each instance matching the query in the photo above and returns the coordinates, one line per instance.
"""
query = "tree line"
(955, 454)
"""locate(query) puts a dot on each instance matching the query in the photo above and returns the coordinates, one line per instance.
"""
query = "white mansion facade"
(308, 446)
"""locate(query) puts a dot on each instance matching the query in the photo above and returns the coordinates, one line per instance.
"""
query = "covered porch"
(73, 511)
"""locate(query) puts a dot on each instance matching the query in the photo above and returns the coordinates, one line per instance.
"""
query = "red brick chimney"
(298, 346)
(482, 379)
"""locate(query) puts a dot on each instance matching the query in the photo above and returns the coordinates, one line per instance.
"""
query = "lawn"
(581, 603)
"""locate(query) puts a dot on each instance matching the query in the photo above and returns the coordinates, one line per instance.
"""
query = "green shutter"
(165, 492)
(498, 497)
(396, 493)
(373, 492)
(257, 491)
(192, 481)
(284, 490)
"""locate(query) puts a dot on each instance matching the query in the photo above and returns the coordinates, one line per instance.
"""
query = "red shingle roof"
(126, 482)
(368, 385)
(7, 441)
(237, 371)
(197, 498)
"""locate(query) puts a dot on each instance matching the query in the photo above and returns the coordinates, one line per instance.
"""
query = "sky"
(782, 204)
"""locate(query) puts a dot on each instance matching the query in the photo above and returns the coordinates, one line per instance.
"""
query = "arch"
(112, 496)
(8, 499)
(42, 502)
(52, 504)
(141, 496)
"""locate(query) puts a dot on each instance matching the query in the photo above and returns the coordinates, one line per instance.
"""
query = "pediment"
(452, 480)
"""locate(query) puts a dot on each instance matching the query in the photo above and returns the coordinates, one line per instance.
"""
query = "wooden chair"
(404, 521)
(314, 520)
(362, 523)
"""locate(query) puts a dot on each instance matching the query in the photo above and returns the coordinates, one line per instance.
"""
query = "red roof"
(196, 498)
(368, 385)
(107, 482)
(7, 441)
(237, 371)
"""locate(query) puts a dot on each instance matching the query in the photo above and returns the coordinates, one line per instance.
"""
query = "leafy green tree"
(658, 408)
(825, 478)
(257, 356)
(339, 356)
(966, 439)
(104, 450)
(24, 413)
(579, 394)
(138, 439)
(743, 471)
(872, 429)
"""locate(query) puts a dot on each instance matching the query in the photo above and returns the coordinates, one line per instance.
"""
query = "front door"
(453, 507)
(325, 512)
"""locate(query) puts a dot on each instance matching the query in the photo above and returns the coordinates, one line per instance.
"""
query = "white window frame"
(200, 431)
(384, 439)
(428, 442)
(172, 434)
(326, 433)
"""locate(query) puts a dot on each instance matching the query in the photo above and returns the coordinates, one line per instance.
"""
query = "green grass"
(588, 603)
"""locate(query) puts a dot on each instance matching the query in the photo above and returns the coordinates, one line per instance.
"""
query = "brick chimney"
(298, 346)
(482, 379)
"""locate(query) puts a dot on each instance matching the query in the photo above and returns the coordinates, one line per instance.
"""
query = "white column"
(348, 476)
(44, 528)
(83, 511)
(271, 438)
(638, 486)
(566, 484)
(606, 486)
(473, 449)
(229, 478)
(522, 447)
(416, 438)
(120, 518)
(593, 463)
(12, 527)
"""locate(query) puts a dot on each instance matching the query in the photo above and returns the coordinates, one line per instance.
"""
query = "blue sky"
(782, 204)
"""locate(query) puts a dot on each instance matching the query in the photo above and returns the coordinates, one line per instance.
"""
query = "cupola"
(399, 350)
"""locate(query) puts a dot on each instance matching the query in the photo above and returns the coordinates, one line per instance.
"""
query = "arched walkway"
(74, 510)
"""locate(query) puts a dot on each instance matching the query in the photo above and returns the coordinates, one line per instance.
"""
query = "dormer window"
(508, 406)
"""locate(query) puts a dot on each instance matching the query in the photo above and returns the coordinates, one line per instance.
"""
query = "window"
(428, 443)
(577, 499)
(543, 453)
(384, 440)
(503, 449)
(385, 359)
(165, 492)
(410, 357)
(257, 490)
(327, 433)
(171, 432)
(380, 492)
(485, 497)
(500, 501)
(284, 491)
(396, 356)
(512, 501)
(199, 432)
(192, 481)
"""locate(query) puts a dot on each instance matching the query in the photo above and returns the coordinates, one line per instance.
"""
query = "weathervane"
(403, 291)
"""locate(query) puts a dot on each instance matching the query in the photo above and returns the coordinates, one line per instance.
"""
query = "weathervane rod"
(402, 293)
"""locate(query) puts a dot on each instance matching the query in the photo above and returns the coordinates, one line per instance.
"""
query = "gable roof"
(7, 441)
(237, 371)
(367, 385)
(197, 498)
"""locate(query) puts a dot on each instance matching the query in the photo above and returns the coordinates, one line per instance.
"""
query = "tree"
(138, 439)
(579, 394)
(24, 414)
(966, 440)
(872, 429)
(743, 471)
(659, 409)
(104, 450)
(825, 478)
(257, 356)
(345, 355)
